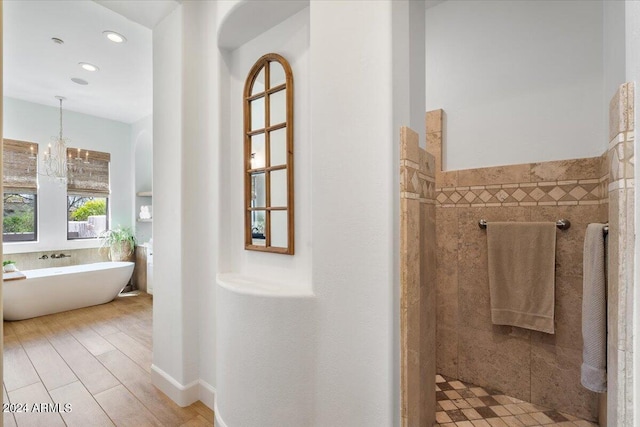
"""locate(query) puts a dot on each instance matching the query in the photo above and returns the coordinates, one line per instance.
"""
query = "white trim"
(219, 421)
(207, 394)
(183, 395)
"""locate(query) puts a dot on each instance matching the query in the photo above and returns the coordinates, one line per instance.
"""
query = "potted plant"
(9, 266)
(121, 243)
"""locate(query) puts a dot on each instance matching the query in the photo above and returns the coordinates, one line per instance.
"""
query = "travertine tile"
(433, 120)
(629, 159)
(418, 285)
(509, 369)
(569, 243)
(447, 267)
(631, 106)
(447, 350)
(618, 116)
(434, 147)
(409, 144)
(446, 179)
(31, 261)
(562, 170)
(555, 381)
(495, 175)
(568, 315)
(604, 166)
(512, 421)
(427, 312)
(427, 163)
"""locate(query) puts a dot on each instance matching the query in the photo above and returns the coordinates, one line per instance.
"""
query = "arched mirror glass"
(268, 156)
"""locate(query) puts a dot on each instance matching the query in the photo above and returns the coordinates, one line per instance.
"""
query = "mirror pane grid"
(268, 159)
(278, 188)
(258, 113)
(278, 147)
(277, 76)
(259, 83)
(279, 235)
(258, 151)
(277, 107)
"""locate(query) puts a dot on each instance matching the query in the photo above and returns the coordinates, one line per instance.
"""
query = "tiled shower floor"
(465, 405)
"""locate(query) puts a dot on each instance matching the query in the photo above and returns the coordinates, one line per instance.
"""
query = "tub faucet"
(44, 257)
(54, 256)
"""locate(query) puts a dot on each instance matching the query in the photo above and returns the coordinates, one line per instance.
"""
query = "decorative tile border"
(414, 184)
(621, 156)
(546, 193)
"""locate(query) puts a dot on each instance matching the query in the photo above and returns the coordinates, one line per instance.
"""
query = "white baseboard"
(183, 395)
(207, 394)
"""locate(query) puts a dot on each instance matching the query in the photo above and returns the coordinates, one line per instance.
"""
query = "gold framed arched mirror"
(268, 156)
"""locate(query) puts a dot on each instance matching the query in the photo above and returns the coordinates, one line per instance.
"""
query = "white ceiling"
(36, 69)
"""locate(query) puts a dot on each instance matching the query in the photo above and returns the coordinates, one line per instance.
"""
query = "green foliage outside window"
(90, 208)
(18, 223)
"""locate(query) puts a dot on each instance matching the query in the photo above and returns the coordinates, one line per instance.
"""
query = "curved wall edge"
(219, 421)
(266, 369)
(247, 19)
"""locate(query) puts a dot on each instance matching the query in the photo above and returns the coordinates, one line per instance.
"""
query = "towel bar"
(562, 224)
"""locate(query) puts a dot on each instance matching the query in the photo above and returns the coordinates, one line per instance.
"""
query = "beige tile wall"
(537, 367)
(621, 161)
(417, 282)
(32, 261)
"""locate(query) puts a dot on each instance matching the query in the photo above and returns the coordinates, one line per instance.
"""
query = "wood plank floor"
(97, 359)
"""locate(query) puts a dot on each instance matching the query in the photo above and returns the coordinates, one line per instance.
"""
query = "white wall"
(201, 184)
(38, 123)
(172, 339)
(351, 192)
(291, 40)
(354, 187)
(520, 81)
(142, 140)
(613, 51)
(185, 202)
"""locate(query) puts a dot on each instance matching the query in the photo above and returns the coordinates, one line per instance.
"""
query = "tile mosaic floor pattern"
(466, 405)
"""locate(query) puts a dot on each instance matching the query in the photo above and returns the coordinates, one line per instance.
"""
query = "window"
(87, 216)
(20, 180)
(87, 193)
(268, 156)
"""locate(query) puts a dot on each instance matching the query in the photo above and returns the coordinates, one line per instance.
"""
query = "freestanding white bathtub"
(52, 290)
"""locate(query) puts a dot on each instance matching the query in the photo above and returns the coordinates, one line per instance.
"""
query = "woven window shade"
(20, 166)
(88, 175)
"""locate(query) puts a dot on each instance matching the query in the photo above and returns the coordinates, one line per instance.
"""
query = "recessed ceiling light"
(57, 40)
(114, 37)
(88, 67)
(79, 81)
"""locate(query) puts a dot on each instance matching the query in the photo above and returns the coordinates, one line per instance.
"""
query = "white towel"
(594, 311)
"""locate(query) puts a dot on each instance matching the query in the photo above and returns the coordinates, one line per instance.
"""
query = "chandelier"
(55, 157)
